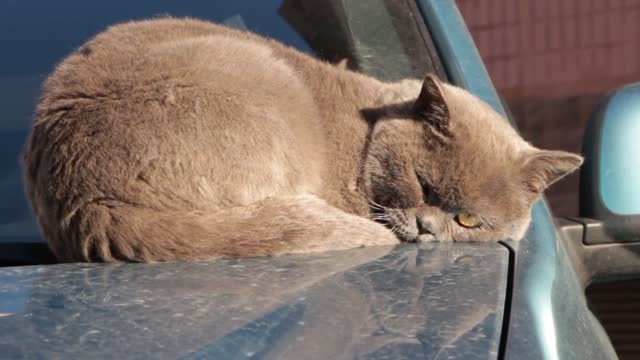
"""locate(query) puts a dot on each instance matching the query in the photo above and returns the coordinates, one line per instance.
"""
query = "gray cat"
(181, 139)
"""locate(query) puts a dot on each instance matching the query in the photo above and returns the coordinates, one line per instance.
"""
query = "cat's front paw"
(367, 232)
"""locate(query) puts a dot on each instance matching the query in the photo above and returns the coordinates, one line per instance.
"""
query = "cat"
(179, 139)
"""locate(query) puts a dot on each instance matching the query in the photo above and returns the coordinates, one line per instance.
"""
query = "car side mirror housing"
(610, 176)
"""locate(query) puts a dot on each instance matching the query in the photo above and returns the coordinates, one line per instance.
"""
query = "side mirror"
(610, 176)
(604, 242)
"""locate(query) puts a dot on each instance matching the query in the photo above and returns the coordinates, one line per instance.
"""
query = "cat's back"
(146, 55)
(175, 111)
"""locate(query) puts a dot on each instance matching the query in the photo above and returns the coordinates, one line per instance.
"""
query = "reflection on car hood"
(431, 301)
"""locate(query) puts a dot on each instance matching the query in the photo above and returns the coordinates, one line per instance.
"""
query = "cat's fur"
(181, 139)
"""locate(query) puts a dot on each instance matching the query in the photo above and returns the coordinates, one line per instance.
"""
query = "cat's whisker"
(375, 205)
(380, 217)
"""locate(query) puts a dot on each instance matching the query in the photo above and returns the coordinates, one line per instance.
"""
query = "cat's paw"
(367, 232)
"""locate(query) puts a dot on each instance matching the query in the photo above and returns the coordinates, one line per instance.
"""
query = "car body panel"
(411, 302)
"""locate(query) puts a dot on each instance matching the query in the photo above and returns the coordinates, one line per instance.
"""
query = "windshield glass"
(374, 36)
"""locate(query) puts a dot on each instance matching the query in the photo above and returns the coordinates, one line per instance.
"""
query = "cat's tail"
(123, 232)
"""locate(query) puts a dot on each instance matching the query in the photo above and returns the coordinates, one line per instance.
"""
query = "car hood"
(439, 300)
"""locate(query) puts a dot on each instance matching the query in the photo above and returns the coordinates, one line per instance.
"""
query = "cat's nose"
(424, 226)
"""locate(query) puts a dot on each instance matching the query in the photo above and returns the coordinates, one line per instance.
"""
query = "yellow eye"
(468, 220)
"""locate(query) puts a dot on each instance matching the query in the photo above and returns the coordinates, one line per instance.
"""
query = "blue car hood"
(436, 301)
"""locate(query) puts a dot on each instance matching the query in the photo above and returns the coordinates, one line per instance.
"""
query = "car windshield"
(36, 34)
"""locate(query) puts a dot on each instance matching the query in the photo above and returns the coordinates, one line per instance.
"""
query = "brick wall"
(552, 60)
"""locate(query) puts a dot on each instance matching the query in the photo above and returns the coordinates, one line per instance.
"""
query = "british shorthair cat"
(175, 139)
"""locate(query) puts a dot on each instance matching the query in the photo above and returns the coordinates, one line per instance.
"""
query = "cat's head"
(446, 166)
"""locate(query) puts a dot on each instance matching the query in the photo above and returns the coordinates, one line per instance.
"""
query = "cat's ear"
(544, 167)
(430, 105)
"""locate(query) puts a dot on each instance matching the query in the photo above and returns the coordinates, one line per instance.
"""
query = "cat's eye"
(468, 220)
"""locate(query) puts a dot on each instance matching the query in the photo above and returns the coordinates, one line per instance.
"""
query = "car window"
(375, 36)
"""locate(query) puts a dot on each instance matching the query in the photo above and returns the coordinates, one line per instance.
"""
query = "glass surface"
(620, 153)
(36, 34)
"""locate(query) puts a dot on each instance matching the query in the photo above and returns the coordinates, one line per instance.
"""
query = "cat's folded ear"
(544, 167)
(430, 105)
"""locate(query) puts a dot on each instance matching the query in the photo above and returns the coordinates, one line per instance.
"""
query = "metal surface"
(549, 317)
(548, 314)
(597, 262)
(437, 301)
